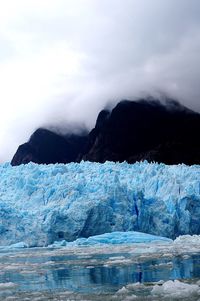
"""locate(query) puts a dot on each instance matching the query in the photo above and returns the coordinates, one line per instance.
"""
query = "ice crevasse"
(40, 204)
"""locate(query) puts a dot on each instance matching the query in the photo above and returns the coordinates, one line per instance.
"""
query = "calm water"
(88, 273)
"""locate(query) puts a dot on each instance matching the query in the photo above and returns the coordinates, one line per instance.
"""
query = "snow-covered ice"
(40, 204)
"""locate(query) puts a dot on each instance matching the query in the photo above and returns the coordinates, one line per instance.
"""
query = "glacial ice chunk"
(113, 238)
(176, 289)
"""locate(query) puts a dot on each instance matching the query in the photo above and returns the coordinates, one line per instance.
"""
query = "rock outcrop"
(45, 147)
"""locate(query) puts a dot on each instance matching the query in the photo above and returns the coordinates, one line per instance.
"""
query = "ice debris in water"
(176, 289)
(40, 204)
(169, 290)
(18, 245)
(188, 239)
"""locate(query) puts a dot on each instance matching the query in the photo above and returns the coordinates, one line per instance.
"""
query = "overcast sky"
(64, 60)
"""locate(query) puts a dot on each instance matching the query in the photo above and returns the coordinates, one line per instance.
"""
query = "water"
(93, 273)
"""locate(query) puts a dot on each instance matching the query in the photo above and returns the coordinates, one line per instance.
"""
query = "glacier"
(41, 204)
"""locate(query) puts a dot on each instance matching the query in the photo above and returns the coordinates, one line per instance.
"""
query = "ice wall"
(40, 204)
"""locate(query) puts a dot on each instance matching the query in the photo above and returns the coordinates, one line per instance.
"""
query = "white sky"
(62, 60)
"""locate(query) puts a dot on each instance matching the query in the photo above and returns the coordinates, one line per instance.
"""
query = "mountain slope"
(132, 131)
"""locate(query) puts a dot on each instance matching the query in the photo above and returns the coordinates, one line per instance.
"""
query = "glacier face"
(40, 204)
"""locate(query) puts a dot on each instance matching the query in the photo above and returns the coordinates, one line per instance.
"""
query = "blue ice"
(40, 204)
(113, 238)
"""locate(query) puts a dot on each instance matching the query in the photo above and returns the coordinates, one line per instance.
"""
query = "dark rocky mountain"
(132, 131)
(47, 147)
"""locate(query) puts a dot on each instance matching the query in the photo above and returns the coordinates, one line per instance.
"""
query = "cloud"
(62, 61)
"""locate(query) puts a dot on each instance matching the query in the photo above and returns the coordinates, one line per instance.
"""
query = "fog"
(62, 61)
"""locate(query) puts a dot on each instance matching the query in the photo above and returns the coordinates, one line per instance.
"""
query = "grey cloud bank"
(65, 60)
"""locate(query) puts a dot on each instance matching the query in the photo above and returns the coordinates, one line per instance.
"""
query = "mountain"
(45, 147)
(132, 131)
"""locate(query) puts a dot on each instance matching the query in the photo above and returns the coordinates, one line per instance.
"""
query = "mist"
(62, 61)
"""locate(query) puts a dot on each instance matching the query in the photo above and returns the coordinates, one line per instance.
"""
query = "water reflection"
(93, 274)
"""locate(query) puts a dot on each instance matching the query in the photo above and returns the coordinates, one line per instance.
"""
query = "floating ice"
(18, 245)
(40, 204)
(7, 285)
(176, 289)
(106, 272)
(113, 238)
(187, 239)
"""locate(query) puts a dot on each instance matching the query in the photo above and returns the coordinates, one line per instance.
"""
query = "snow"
(40, 204)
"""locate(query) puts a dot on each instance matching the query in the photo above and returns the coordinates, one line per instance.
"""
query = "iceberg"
(113, 238)
(41, 204)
